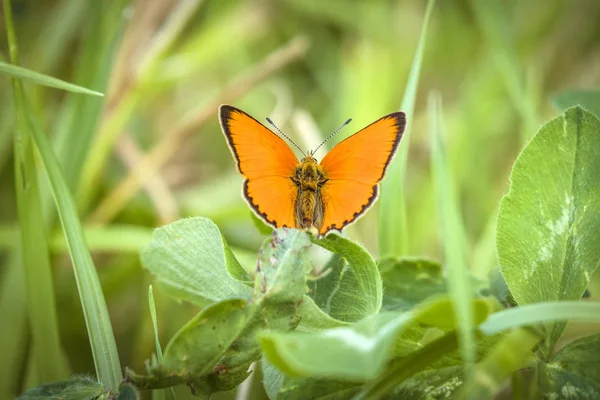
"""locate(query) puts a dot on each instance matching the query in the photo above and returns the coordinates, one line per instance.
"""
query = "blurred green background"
(151, 150)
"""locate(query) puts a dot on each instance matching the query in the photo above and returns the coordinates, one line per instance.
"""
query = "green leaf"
(190, 259)
(355, 353)
(196, 348)
(41, 79)
(352, 290)
(431, 384)
(532, 314)
(452, 233)
(358, 352)
(281, 387)
(393, 230)
(75, 389)
(511, 353)
(573, 373)
(282, 267)
(314, 319)
(547, 224)
(407, 367)
(409, 281)
(588, 99)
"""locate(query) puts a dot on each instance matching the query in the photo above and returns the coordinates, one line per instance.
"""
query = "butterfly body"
(309, 207)
(315, 196)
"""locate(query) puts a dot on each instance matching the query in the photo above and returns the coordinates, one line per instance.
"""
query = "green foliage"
(187, 254)
(435, 294)
(547, 223)
(572, 372)
(352, 279)
(407, 282)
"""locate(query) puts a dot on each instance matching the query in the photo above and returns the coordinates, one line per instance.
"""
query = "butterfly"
(308, 195)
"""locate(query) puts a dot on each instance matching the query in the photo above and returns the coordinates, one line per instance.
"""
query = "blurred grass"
(47, 363)
(496, 64)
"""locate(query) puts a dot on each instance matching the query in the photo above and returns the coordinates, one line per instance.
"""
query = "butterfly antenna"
(333, 134)
(285, 136)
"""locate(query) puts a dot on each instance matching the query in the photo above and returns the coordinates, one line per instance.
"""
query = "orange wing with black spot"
(266, 162)
(354, 167)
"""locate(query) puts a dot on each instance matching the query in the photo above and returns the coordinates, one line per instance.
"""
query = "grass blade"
(393, 230)
(45, 80)
(453, 234)
(531, 314)
(46, 354)
(160, 393)
(512, 353)
(13, 335)
(102, 339)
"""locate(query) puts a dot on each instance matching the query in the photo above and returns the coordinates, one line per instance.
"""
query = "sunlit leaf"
(548, 223)
(191, 259)
(358, 352)
(352, 289)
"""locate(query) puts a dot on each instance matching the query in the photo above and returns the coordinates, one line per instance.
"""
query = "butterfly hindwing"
(354, 167)
(266, 162)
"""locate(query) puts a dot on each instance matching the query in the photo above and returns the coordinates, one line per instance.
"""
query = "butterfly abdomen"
(308, 210)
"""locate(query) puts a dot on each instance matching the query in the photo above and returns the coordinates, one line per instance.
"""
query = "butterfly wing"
(354, 168)
(266, 162)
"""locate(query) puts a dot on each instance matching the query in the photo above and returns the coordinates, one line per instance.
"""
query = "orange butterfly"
(318, 197)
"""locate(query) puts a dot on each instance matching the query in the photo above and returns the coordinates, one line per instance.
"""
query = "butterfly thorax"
(309, 178)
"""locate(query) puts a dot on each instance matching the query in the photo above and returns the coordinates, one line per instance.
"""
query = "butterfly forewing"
(266, 162)
(354, 168)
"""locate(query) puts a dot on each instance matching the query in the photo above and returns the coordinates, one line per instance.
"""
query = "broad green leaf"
(532, 314)
(547, 224)
(355, 353)
(196, 348)
(393, 229)
(452, 233)
(408, 281)
(191, 260)
(358, 352)
(41, 79)
(588, 99)
(574, 372)
(511, 353)
(74, 389)
(283, 266)
(352, 290)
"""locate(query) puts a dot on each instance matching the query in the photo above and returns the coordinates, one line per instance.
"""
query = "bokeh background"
(151, 151)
